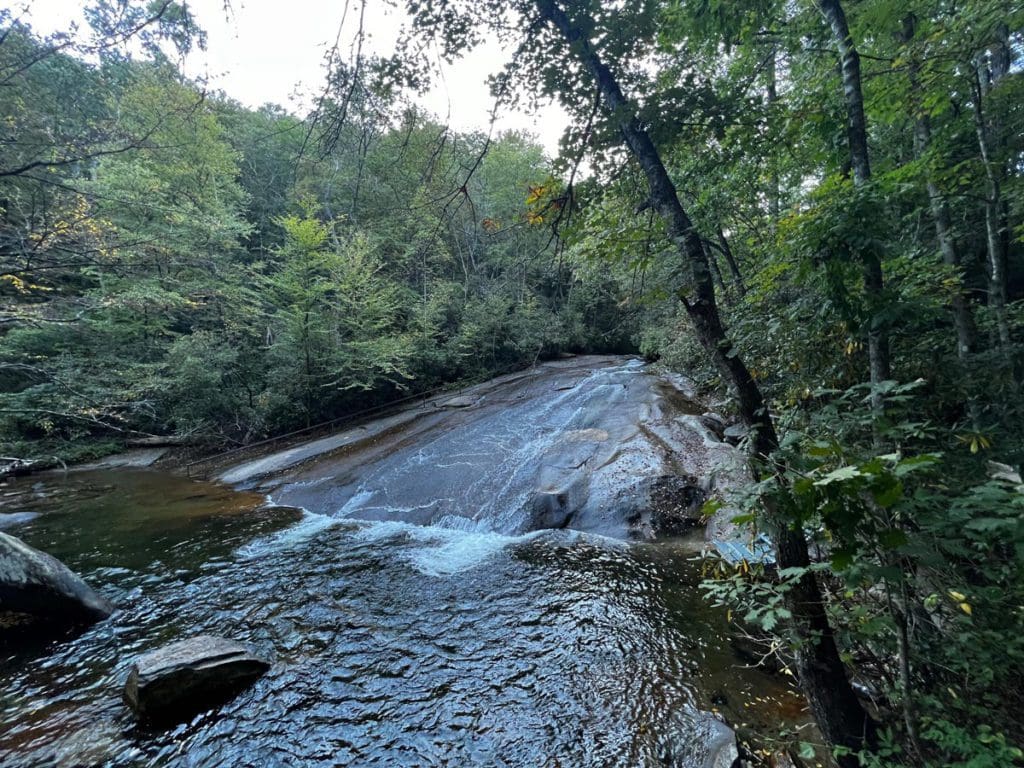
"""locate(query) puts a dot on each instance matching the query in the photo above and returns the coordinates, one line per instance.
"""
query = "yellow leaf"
(958, 596)
(966, 608)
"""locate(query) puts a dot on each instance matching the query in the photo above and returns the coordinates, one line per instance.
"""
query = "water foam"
(435, 551)
(308, 526)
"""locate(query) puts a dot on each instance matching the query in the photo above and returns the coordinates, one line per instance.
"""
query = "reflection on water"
(394, 645)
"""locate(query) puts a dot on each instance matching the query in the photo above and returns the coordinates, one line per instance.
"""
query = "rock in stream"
(39, 586)
(190, 676)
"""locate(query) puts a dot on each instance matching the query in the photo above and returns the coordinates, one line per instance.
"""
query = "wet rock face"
(662, 506)
(179, 680)
(675, 504)
(35, 585)
(555, 508)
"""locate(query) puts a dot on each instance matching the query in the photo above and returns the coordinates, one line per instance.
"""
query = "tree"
(874, 284)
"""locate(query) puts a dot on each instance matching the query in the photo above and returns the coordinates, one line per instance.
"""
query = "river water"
(393, 644)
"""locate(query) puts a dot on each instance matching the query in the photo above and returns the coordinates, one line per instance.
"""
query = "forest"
(813, 208)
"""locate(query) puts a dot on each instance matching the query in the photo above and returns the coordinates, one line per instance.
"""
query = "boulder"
(734, 434)
(181, 679)
(35, 584)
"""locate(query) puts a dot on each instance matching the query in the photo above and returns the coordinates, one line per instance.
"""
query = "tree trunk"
(857, 135)
(994, 242)
(963, 317)
(839, 714)
(716, 271)
(772, 93)
(730, 259)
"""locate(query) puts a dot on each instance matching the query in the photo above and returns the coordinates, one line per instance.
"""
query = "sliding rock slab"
(190, 676)
(40, 586)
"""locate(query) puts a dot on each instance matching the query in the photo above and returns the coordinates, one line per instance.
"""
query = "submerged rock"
(190, 676)
(37, 585)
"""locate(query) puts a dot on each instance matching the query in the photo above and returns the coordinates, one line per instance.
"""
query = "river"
(441, 643)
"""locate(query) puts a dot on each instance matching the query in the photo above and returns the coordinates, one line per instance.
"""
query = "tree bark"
(857, 136)
(823, 676)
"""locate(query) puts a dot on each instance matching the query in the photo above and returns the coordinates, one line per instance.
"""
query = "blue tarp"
(735, 551)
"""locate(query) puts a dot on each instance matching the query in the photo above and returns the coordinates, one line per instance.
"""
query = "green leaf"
(887, 496)
(839, 475)
(842, 559)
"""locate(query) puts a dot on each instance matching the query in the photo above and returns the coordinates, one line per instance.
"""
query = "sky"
(263, 51)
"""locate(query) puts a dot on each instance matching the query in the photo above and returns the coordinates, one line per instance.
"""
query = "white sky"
(273, 51)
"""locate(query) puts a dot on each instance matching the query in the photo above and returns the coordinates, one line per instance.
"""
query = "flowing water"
(393, 644)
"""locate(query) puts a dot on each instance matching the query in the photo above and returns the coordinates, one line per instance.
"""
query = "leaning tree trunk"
(838, 712)
(857, 133)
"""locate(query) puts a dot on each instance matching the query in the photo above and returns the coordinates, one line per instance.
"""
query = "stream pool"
(393, 644)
